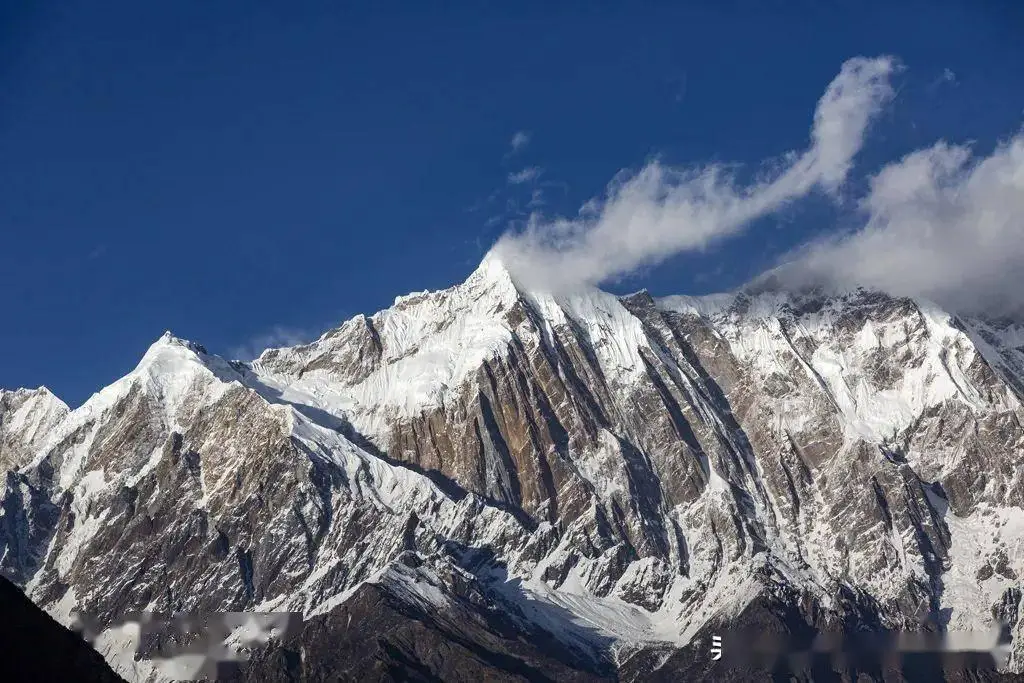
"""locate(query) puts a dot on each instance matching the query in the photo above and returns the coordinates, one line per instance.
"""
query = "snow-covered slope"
(27, 417)
(622, 474)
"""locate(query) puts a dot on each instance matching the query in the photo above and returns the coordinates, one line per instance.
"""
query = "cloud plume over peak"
(660, 211)
(940, 224)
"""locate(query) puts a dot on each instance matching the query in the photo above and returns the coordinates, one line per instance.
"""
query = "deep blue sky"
(224, 169)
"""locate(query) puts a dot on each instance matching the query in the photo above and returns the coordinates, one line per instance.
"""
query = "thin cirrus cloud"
(526, 175)
(660, 211)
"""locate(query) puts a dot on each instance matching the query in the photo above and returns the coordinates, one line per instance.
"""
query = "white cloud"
(526, 175)
(276, 337)
(520, 140)
(940, 224)
(646, 217)
(844, 111)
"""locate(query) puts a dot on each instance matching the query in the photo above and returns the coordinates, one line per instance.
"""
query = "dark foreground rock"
(34, 647)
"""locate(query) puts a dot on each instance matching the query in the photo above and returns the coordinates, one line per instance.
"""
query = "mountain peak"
(27, 392)
(170, 362)
(492, 273)
(168, 339)
(26, 416)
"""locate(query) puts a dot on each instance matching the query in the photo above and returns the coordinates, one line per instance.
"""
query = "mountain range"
(502, 483)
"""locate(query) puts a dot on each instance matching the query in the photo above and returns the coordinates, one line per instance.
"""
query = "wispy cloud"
(275, 337)
(648, 216)
(947, 77)
(526, 175)
(519, 141)
(536, 199)
(940, 224)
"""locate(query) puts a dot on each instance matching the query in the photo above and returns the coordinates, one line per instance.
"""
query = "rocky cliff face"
(511, 469)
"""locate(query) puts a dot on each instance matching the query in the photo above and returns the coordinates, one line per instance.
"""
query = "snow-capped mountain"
(493, 481)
